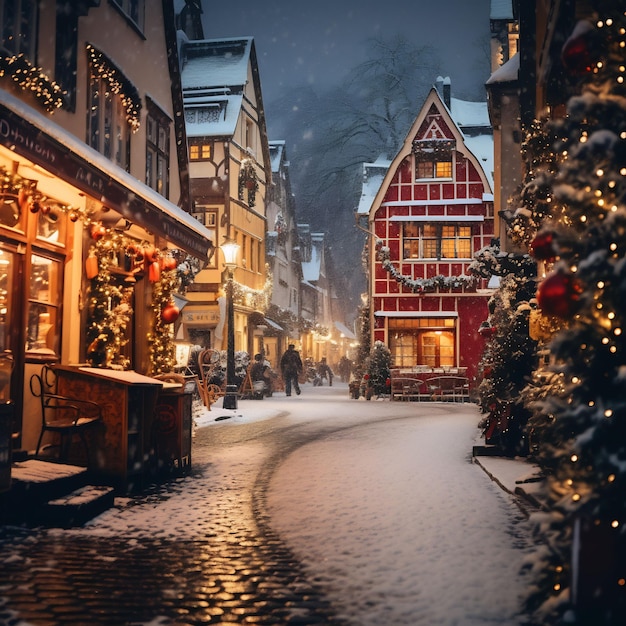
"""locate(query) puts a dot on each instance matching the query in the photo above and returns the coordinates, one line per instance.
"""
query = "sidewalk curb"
(525, 501)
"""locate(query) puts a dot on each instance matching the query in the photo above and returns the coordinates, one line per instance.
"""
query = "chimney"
(443, 87)
(446, 91)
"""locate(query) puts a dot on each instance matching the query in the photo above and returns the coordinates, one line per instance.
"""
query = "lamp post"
(230, 249)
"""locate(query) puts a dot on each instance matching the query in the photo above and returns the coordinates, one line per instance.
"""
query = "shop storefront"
(59, 198)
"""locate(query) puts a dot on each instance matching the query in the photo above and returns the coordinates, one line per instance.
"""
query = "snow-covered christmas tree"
(580, 408)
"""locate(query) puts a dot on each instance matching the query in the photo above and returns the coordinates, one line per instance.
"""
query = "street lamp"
(230, 249)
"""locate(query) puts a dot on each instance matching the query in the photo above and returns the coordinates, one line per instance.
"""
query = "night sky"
(317, 42)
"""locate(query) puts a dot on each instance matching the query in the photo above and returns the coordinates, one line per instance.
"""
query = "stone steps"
(45, 493)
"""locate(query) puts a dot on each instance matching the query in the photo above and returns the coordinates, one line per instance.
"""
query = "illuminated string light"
(33, 79)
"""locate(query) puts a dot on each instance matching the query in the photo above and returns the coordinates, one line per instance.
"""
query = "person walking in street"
(325, 372)
(291, 367)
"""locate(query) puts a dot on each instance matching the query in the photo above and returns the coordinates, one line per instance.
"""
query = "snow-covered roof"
(373, 176)
(507, 72)
(312, 269)
(212, 116)
(186, 222)
(277, 149)
(210, 63)
(481, 147)
(466, 113)
(501, 10)
(344, 330)
(213, 76)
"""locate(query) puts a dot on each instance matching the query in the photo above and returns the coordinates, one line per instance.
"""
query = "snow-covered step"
(78, 507)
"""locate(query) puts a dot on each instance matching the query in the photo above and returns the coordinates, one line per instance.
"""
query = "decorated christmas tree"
(579, 405)
(509, 357)
(378, 369)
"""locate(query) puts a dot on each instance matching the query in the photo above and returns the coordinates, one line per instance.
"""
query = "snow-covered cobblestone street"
(310, 509)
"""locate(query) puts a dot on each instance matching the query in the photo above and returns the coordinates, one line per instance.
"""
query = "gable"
(434, 126)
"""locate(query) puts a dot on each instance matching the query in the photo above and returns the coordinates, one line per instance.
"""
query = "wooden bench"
(408, 389)
(449, 388)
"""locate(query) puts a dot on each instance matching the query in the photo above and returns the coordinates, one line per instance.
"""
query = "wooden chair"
(63, 415)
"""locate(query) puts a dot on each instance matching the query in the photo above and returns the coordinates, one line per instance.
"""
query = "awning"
(273, 324)
(345, 331)
(37, 138)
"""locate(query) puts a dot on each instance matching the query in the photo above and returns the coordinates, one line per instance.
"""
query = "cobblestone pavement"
(197, 550)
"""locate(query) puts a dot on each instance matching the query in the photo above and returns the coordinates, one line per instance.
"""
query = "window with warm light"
(45, 288)
(424, 240)
(200, 151)
(422, 341)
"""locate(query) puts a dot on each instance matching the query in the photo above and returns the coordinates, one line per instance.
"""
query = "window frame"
(125, 7)
(429, 241)
(103, 116)
(204, 148)
(408, 341)
(26, 45)
(158, 139)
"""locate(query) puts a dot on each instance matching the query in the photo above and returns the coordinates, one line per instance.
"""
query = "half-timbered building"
(432, 211)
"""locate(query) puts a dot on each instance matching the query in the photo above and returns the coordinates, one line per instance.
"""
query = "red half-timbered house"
(432, 211)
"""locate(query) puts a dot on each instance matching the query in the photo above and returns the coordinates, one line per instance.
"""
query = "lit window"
(199, 151)
(433, 158)
(436, 241)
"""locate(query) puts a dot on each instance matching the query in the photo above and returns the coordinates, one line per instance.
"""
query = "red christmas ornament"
(170, 313)
(35, 206)
(543, 247)
(97, 231)
(579, 53)
(558, 295)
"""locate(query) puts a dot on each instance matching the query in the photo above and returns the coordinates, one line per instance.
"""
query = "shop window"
(7, 281)
(424, 240)
(157, 150)
(11, 213)
(42, 332)
(422, 341)
(51, 224)
(18, 25)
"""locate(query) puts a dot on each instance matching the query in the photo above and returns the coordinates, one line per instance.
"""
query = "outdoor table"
(123, 449)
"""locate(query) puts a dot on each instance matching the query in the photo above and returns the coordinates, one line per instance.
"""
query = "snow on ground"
(391, 518)
(399, 527)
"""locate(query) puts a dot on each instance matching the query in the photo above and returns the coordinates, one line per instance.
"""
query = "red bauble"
(35, 206)
(579, 53)
(97, 231)
(170, 313)
(543, 247)
(559, 295)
